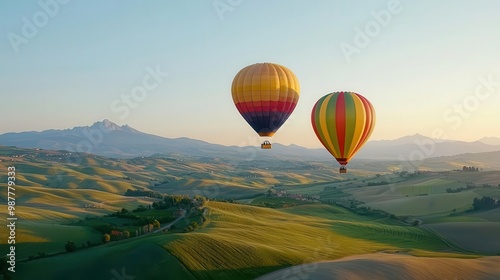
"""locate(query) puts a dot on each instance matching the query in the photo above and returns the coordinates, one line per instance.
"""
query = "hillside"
(386, 266)
(244, 242)
(210, 177)
(56, 189)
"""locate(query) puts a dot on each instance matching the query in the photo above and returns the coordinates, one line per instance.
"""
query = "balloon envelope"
(265, 94)
(343, 122)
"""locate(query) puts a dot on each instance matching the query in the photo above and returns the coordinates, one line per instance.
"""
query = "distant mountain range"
(109, 139)
(418, 146)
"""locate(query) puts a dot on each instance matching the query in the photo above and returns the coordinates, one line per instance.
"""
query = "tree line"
(470, 168)
(485, 203)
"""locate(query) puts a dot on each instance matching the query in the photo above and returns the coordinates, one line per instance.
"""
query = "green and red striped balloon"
(343, 122)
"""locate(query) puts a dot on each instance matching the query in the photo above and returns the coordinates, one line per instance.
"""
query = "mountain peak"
(490, 140)
(108, 125)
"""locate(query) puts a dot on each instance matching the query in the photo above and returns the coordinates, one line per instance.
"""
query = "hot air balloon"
(265, 94)
(343, 122)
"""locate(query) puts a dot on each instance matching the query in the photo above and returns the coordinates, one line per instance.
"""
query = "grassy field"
(208, 177)
(424, 205)
(139, 258)
(474, 236)
(386, 266)
(238, 241)
(244, 242)
(425, 195)
(266, 239)
(475, 231)
(34, 237)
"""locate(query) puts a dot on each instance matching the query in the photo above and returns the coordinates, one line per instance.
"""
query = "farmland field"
(265, 239)
(319, 216)
(474, 236)
(386, 266)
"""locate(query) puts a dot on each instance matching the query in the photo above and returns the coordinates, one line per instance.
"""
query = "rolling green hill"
(244, 242)
(238, 241)
(210, 177)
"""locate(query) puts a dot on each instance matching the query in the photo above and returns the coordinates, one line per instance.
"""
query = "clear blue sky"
(70, 64)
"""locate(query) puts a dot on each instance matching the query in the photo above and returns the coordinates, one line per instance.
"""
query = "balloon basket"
(343, 170)
(265, 145)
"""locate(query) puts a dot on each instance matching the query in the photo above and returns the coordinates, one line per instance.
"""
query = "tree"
(269, 192)
(141, 208)
(485, 202)
(194, 225)
(106, 238)
(70, 246)
(156, 224)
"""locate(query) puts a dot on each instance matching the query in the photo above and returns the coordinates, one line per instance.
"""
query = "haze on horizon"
(427, 68)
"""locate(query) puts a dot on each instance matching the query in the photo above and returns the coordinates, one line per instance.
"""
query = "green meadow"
(264, 240)
(247, 230)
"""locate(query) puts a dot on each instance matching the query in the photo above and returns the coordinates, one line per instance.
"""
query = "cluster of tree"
(141, 208)
(167, 201)
(147, 193)
(488, 185)
(367, 211)
(160, 183)
(116, 234)
(192, 226)
(138, 221)
(469, 186)
(485, 203)
(351, 205)
(404, 174)
(457, 190)
(470, 168)
(69, 247)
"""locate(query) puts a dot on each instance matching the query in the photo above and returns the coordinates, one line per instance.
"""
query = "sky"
(166, 67)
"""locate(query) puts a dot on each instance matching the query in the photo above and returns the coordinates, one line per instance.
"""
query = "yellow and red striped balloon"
(343, 122)
(265, 94)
